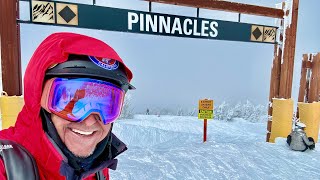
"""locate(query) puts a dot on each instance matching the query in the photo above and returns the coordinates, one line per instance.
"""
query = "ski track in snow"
(170, 147)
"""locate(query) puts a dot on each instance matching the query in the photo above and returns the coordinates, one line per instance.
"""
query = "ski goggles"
(76, 99)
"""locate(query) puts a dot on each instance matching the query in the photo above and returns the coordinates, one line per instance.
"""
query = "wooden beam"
(304, 84)
(227, 6)
(275, 73)
(10, 47)
(318, 76)
(275, 78)
(315, 79)
(293, 37)
(274, 84)
(306, 64)
(308, 79)
(286, 74)
(303, 80)
(288, 54)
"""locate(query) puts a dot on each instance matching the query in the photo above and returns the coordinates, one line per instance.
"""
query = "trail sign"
(263, 34)
(125, 20)
(67, 14)
(42, 12)
(205, 114)
(205, 109)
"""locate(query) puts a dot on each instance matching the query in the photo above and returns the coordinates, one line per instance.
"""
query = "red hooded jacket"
(28, 130)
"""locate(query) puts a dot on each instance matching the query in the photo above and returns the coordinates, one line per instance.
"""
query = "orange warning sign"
(205, 104)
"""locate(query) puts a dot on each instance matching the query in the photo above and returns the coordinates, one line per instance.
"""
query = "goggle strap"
(45, 94)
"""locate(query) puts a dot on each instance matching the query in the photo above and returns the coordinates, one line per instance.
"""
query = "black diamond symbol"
(67, 14)
(257, 33)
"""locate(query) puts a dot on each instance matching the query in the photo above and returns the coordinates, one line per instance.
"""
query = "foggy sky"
(177, 72)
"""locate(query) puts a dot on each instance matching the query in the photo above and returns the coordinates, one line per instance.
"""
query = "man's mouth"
(86, 133)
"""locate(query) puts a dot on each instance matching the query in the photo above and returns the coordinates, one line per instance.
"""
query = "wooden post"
(205, 122)
(315, 79)
(306, 64)
(10, 47)
(275, 77)
(281, 84)
(289, 52)
(308, 78)
(274, 84)
(318, 76)
(304, 81)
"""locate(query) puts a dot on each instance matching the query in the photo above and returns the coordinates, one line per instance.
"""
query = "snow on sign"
(205, 109)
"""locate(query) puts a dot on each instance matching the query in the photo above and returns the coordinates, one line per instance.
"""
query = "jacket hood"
(53, 50)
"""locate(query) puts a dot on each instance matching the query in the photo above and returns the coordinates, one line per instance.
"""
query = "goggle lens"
(76, 99)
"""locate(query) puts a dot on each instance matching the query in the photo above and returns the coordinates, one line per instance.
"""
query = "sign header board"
(124, 20)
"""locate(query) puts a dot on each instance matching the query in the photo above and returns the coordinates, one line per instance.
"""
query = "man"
(298, 140)
(74, 87)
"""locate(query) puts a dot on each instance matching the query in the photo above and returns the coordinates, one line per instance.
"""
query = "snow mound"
(170, 147)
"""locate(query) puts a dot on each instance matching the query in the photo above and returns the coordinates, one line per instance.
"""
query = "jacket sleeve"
(106, 173)
(3, 175)
(306, 140)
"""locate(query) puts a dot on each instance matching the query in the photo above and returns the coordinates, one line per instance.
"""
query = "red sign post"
(205, 130)
(205, 113)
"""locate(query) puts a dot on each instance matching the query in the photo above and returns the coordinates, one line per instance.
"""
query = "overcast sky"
(177, 72)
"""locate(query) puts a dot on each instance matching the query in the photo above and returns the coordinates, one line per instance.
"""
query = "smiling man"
(81, 138)
(74, 89)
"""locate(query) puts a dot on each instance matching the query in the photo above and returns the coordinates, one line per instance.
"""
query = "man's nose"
(90, 120)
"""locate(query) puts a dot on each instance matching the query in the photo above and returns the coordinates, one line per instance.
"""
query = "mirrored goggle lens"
(76, 99)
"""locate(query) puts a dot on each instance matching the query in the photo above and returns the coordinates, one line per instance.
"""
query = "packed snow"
(171, 147)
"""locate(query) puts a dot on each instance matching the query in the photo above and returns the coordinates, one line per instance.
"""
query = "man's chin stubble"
(83, 156)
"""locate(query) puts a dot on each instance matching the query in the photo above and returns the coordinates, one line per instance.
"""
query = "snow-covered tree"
(247, 111)
(180, 112)
(221, 112)
(127, 110)
(193, 112)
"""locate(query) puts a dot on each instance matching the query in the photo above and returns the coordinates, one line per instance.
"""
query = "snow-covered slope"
(170, 147)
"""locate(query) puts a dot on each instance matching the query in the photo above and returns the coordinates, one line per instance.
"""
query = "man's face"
(81, 138)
